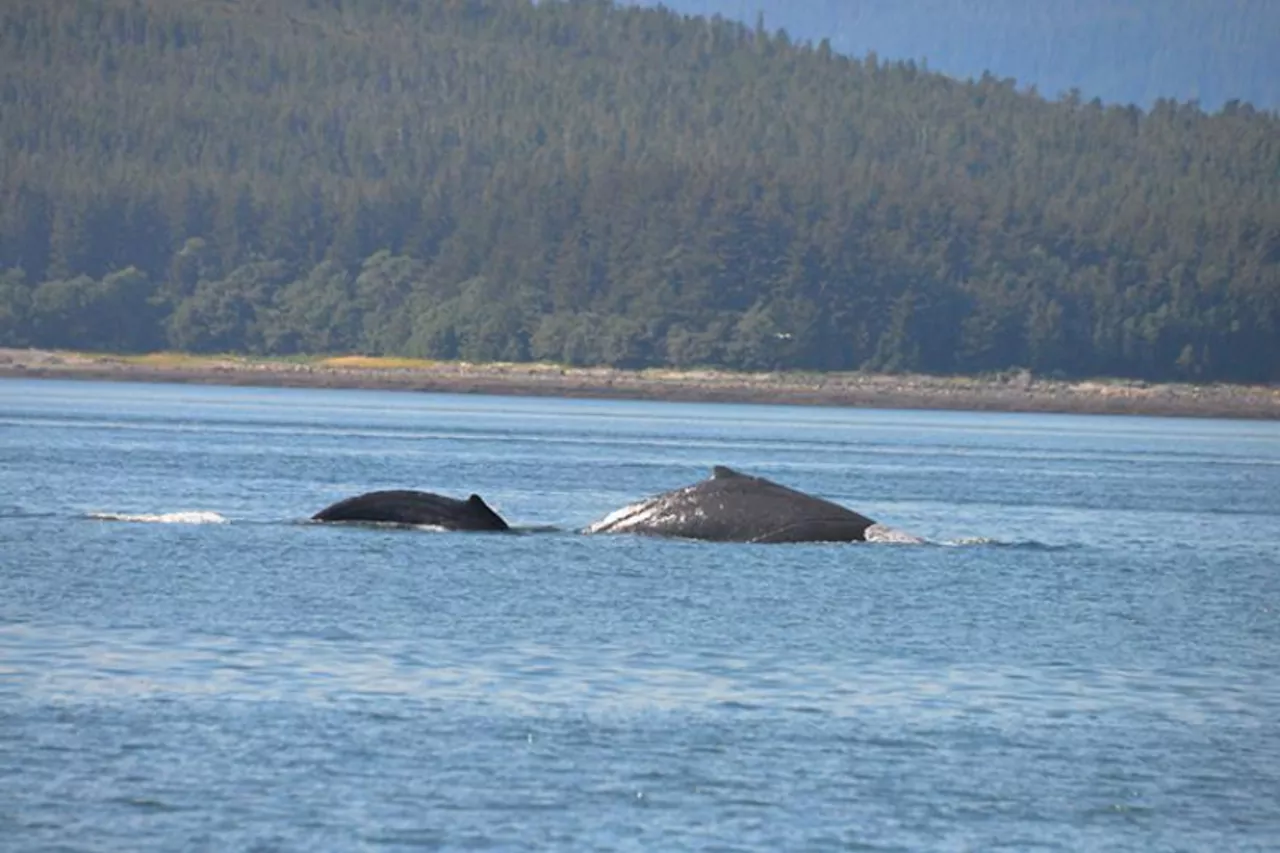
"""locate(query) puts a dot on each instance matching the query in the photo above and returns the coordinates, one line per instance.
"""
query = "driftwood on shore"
(1017, 392)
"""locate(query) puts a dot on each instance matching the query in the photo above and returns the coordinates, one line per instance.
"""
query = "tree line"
(597, 184)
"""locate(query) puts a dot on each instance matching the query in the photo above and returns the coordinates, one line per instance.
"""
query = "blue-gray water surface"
(1084, 655)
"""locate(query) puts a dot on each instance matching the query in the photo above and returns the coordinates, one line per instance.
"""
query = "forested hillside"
(1122, 51)
(574, 181)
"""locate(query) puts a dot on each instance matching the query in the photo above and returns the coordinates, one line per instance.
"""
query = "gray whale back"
(404, 506)
(730, 506)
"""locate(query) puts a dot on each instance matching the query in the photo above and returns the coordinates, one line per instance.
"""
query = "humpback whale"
(731, 506)
(403, 506)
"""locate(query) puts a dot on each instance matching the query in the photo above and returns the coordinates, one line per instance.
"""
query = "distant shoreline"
(1012, 393)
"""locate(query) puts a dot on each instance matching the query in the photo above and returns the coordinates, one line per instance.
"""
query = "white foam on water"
(973, 540)
(884, 534)
(189, 517)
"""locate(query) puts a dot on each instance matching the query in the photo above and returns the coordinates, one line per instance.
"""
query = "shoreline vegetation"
(1014, 391)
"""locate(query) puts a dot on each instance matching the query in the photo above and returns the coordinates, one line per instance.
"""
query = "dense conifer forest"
(599, 184)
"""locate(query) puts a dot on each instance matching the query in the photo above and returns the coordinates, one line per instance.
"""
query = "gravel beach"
(1013, 392)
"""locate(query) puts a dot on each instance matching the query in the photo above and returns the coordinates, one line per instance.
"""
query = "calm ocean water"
(1086, 655)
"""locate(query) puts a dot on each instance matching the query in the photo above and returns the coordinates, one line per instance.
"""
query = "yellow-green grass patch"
(375, 362)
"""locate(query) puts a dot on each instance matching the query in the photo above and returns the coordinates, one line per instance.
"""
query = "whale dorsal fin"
(720, 472)
(477, 504)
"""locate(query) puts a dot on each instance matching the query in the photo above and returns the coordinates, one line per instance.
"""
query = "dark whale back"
(403, 506)
(731, 506)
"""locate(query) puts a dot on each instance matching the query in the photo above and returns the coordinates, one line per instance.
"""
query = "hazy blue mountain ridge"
(1121, 51)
